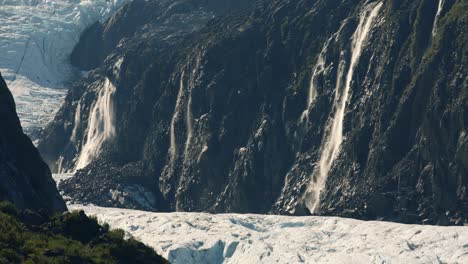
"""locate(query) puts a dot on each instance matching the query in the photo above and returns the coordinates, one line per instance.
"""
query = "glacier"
(247, 238)
(236, 238)
(36, 39)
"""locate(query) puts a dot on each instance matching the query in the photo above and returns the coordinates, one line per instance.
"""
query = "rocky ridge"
(344, 108)
(25, 179)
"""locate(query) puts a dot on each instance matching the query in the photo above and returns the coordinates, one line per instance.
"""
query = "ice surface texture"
(36, 39)
(234, 238)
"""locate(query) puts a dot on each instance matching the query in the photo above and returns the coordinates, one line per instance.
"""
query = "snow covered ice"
(235, 238)
(185, 238)
(36, 40)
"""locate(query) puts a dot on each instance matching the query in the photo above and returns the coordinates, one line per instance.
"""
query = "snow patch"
(61, 177)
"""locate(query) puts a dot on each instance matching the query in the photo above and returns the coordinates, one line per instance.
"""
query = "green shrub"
(8, 208)
(68, 238)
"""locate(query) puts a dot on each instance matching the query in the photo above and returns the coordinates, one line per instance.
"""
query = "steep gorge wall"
(244, 114)
(25, 178)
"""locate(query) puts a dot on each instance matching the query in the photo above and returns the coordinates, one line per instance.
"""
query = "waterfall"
(77, 123)
(318, 69)
(60, 168)
(101, 125)
(189, 121)
(173, 144)
(177, 112)
(437, 16)
(334, 137)
(73, 139)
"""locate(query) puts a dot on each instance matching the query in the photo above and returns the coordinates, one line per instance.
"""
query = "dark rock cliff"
(165, 20)
(25, 179)
(350, 108)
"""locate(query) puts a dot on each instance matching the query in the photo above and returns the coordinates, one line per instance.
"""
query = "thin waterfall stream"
(334, 138)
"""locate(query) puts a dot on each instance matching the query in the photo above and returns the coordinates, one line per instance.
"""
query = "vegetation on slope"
(32, 237)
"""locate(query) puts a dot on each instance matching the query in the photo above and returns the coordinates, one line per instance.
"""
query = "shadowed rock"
(25, 179)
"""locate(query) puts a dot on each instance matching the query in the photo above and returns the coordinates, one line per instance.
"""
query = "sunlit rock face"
(350, 108)
(36, 39)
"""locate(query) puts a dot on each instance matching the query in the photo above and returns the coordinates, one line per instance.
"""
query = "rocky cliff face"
(25, 178)
(350, 108)
(166, 21)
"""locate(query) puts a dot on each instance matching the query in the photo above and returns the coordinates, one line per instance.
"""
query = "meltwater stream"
(334, 138)
(101, 124)
(437, 16)
(175, 116)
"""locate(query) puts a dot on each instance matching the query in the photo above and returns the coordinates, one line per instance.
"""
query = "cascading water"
(61, 168)
(189, 121)
(101, 121)
(173, 144)
(437, 16)
(77, 123)
(101, 125)
(318, 69)
(334, 137)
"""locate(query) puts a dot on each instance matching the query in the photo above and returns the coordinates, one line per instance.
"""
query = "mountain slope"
(332, 107)
(29, 237)
(25, 179)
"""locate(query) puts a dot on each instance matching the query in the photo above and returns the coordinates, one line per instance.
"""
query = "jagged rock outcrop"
(167, 21)
(25, 179)
(350, 108)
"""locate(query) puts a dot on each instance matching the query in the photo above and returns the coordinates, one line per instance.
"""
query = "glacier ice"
(247, 238)
(36, 39)
(236, 238)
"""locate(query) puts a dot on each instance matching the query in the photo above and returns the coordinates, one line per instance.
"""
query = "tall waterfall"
(334, 137)
(181, 97)
(436, 19)
(189, 121)
(101, 124)
(173, 144)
